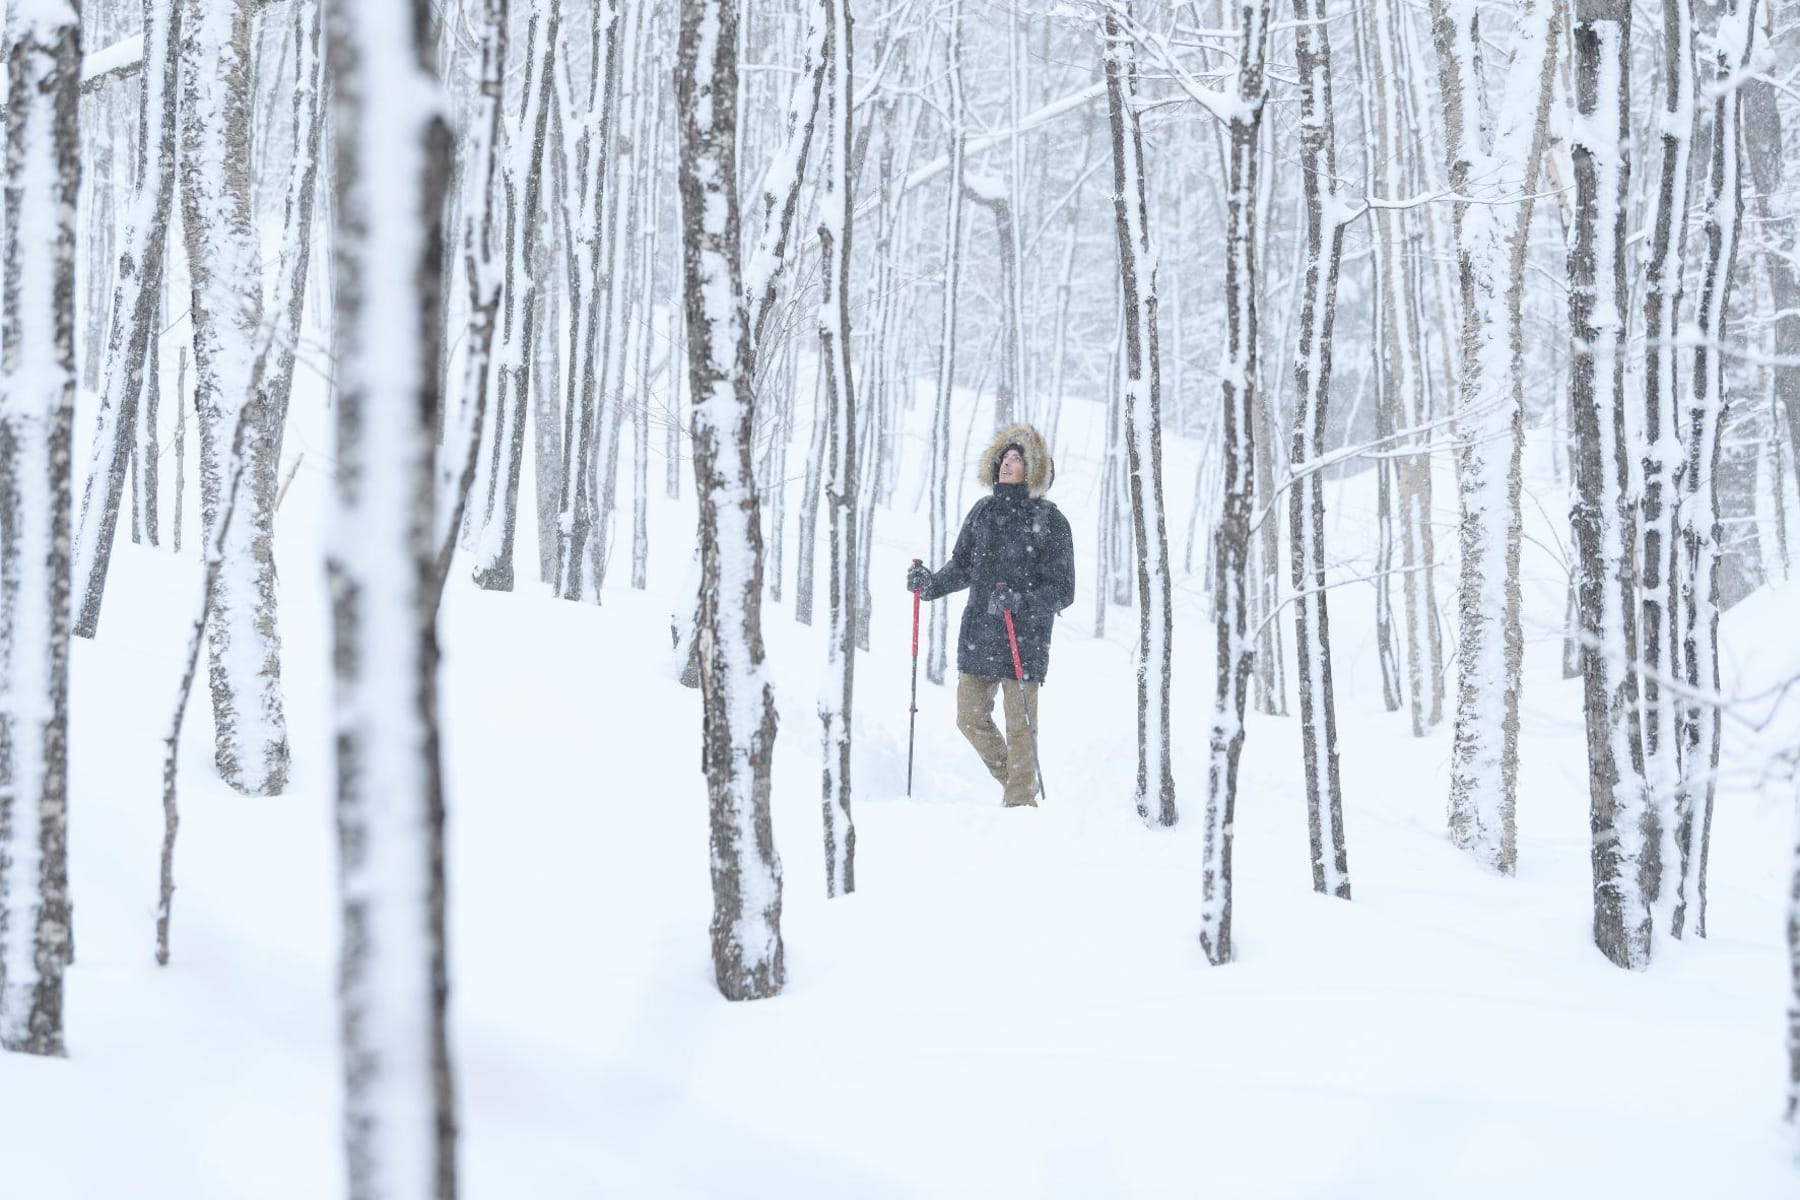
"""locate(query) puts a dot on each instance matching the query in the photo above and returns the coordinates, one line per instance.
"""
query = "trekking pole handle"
(917, 562)
(1012, 639)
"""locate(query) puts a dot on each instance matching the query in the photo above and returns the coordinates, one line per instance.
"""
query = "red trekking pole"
(1012, 639)
(912, 719)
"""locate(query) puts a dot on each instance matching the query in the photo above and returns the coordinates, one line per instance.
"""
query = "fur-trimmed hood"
(1040, 472)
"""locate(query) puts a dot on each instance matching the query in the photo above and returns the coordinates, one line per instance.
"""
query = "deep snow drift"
(1013, 1003)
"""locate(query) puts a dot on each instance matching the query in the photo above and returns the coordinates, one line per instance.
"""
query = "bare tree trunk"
(393, 168)
(1659, 563)
(835, 700)
(649, 197)
(623, 214)
(506, 375)
(1008, 406)
(596, 207)
(1142, 402)
(1312, 379)
(739, 726)
(807, 552)
(1704, 417)
(1623, 845)
(938, 631)
(1764, 146)
(1231, 541)
(244, 647)
(146, 450)
(1493, 156)
(37, 404)
(1393, 146)
(1270, 658)
(133, 325)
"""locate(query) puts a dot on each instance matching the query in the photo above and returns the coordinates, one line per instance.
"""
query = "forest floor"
(1012, 1003)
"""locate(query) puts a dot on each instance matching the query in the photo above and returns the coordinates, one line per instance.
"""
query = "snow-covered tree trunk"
(644, 321)
(224, 262)
(1269, 658)
(503, 380)
(595, 208)
(1392, 141)
(1231, 539)
(812, 487)
(1703, 419)
(628, 165)
(938, 487)
(146, 449)
(841, 466)
(738, 699)
(393, 157)
(1142, 403)
(37, 405)
(288, 300)
(1619, 814)
(1324, 233)
(1493, 166)
(1658, 552)
(1780, 244)
(133, 327)
(779, 197)
(986, 192)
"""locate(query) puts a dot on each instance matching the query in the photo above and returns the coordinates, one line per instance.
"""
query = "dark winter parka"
(1018, 538)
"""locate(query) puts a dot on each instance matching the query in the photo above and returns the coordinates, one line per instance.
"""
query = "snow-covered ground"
(1013, 1003)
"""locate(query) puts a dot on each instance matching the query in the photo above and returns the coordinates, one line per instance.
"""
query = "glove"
(1004, 599)
(918, 577)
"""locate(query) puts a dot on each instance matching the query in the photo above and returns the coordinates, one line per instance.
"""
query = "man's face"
(1012, 467)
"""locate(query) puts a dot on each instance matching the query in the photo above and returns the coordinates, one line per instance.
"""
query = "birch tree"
(503, 286)
(244, 648)
(1703, 418)
(1603, 518)
(739, 702)
(841, 489)
(1493, 158)
(392, 172)
(1142, 402)
(937, 638)
(1324, 239)
(1659, 563)
(37, 402)
(131, 332)
(1393, 138)
(1231, 537)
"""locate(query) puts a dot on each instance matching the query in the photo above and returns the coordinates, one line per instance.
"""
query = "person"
(1015, 553)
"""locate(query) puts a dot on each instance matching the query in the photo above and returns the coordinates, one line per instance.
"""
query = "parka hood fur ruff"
(1040, 472)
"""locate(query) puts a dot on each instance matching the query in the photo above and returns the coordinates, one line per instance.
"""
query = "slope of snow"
(1013, 1003)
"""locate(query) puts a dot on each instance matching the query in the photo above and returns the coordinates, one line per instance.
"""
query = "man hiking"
(1015, 554)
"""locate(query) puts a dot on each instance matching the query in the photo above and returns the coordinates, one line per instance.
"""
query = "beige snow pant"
(1008, 759)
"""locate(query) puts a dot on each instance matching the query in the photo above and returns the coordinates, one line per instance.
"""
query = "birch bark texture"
(1493, 159)
(835, 207)
(1659, 552)
(737, 697)
(1325, 213)
(136, 292)
(393, 151)
(1734, 49)
(1231, 536)
(243, 642)
(37, 404)
(1142, 402)
(937, 638)
(502, 286)
(1604, 517)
